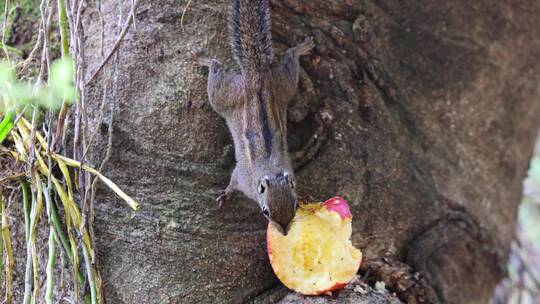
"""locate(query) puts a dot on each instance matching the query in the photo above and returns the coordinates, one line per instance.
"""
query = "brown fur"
(254, 105)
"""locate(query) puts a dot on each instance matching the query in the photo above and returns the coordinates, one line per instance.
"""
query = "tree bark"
(435, 109)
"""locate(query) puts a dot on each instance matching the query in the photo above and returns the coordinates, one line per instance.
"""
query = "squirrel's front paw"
(197, 55)
(305, 47)
(222, 198)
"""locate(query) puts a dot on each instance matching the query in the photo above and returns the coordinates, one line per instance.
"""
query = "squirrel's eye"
(293, 184)
(266, 212)
(262, 188)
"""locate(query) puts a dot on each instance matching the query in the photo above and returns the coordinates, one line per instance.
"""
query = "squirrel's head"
(277, 197)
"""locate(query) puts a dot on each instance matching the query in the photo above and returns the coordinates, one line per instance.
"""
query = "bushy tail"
(249, 30)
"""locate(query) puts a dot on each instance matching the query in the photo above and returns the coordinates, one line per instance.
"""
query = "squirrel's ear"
(289, 179)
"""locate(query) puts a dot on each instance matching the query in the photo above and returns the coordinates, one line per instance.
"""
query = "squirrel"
(254, 104)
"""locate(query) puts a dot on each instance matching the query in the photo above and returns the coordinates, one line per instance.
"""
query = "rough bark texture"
(354, 293)
(435, 111)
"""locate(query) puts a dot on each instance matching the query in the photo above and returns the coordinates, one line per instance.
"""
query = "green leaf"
(6, 125)
(21, 93)
(6, 73)
(61, 79)
(48, 99)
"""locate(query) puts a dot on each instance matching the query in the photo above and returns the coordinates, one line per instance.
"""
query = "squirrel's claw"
(197, 55)
(223, 197)
(305, 47)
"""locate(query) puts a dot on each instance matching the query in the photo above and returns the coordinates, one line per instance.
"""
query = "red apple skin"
(339, 205)
(268, 249)
(336, 204)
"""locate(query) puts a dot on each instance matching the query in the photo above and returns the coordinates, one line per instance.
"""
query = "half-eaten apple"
(316, 256)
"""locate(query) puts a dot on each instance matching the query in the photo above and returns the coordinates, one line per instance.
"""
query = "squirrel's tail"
(249, 30)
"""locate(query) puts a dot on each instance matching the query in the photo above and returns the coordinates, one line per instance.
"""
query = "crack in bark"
(456, 230)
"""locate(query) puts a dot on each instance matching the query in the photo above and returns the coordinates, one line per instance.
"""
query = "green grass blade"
(49, 291)
(8, 254)
(26, 207)
(6, 125)
(59, 231)
(90, 275)
(28, 272)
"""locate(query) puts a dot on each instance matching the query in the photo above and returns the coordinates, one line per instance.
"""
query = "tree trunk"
(434, 105)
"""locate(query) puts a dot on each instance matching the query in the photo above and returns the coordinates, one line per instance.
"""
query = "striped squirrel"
(254, 104)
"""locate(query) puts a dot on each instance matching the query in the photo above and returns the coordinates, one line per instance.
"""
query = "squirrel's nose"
(283, 225)
(281, 229)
